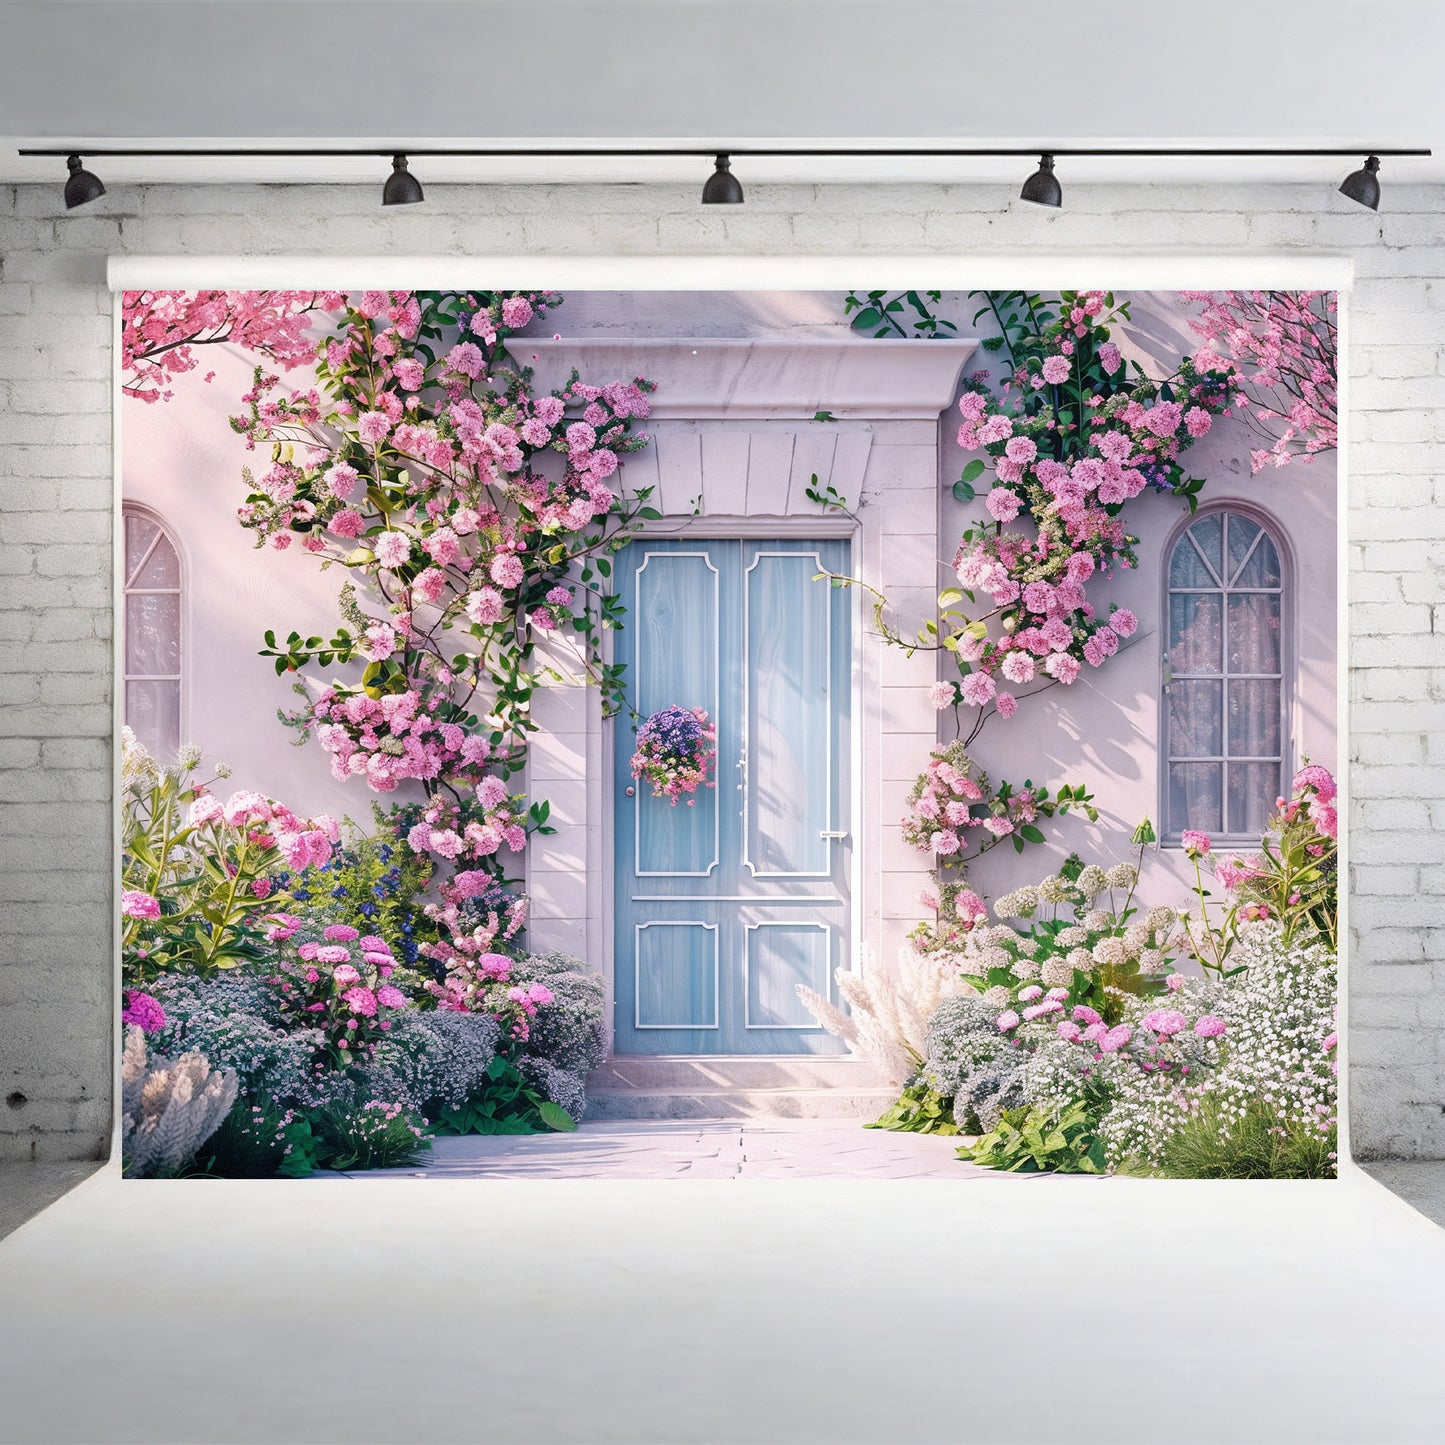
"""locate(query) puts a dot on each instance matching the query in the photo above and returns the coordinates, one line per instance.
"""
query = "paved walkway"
(699, 1149)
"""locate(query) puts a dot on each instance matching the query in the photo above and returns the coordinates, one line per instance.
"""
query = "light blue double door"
(722, 908)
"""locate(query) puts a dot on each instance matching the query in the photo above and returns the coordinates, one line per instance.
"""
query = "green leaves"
(1036, 1140)
(506, 1104)
(918, 1110)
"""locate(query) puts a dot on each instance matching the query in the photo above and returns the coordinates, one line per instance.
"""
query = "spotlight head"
(82, 186)
(722, 188)
(1363, 185)
(402, 188)
(1043, 188)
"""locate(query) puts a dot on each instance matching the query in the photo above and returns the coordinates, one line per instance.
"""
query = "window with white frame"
(152, 634)
(1224, 678)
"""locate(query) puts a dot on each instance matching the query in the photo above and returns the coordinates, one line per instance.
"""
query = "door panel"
(722, 908)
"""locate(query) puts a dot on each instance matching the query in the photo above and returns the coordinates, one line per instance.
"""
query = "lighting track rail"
(722, 187)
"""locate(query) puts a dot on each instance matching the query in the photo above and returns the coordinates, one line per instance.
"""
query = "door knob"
(631, 792)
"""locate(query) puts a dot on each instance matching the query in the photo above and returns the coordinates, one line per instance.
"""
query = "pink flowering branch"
(1282, 346)
(160, 331)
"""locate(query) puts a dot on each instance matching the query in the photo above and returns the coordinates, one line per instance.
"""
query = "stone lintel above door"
(776, 378)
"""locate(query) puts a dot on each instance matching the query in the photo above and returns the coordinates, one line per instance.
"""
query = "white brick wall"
(55, 558)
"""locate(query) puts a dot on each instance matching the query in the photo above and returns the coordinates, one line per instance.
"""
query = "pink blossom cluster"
(483, 984)
(1069, 479)
(1282, 348)
(266, 824)
(135, 903)
(471, 832)
(396, 736)
(340, 983)
(951, 797)
(144, 1011)
(160, 331)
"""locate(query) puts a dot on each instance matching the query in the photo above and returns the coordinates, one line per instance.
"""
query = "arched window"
(152, 640)
(1224, 678)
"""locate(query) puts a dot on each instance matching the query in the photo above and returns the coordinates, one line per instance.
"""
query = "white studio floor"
(887, 1310)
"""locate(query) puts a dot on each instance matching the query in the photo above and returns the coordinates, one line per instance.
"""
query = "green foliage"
(1037, 1140)
(214, 882)
(1261, 1145)
(918, 1110)
(252, 1142)
(375, 1136)
(883, 315)
(506, 1104)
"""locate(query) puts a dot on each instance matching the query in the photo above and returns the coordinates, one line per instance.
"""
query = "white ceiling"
(536, 72)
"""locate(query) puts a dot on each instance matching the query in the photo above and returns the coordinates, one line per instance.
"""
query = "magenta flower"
(1196, 844)
(1007, 1020)
(144, 1011)
(360, 1001)
(135, 904)
(345, 974)
(1209, 1027)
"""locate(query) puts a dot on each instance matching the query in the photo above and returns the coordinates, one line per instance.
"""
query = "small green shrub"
(252, 1143)
(375, 1136)
(1035, 1140)
(918, 1110)
(505, 1104)
(1261, 1145)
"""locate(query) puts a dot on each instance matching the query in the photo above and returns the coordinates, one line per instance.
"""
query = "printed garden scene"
(723, 734)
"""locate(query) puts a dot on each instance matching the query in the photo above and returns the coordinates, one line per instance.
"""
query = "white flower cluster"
(1280, 1014)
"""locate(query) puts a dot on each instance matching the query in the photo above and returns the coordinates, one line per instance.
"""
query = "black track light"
(402, 188)
(82, 186)
(1043, 188)
(722, 188)
(1363, 185)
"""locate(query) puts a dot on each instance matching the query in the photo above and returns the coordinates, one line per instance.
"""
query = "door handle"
(827, 834)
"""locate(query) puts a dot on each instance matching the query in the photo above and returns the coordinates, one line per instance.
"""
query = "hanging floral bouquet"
(675, 750)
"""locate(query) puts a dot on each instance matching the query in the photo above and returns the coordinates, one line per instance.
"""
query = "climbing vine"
(477, 518)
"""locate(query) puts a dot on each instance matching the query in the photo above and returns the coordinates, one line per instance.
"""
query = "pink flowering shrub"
(1292, 880)
(341, 983)
(675, 749)
(955, 816)
(1281, 349)
(200, 872)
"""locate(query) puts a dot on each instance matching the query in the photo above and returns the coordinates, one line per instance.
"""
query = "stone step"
(739, 1103)
(667, 1073)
